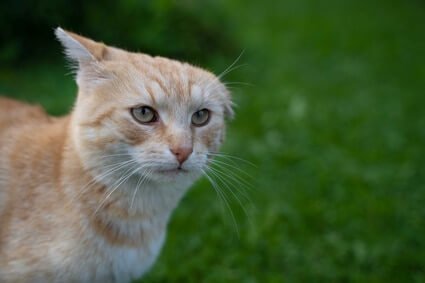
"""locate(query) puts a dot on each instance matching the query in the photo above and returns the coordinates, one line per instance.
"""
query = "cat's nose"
(182, 153)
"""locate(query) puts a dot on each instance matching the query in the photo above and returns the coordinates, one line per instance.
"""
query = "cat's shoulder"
(15, 113)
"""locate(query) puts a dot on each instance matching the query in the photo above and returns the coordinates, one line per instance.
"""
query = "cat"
(87, 197)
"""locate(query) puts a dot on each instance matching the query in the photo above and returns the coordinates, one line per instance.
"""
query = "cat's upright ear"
(79, 49)
(86, 57)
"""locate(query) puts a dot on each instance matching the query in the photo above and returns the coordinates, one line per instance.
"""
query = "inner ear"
(80, 49)
(87, 57)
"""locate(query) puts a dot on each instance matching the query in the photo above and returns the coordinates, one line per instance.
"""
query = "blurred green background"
(331, 110)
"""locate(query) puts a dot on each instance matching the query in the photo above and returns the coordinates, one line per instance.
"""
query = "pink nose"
(181, 153)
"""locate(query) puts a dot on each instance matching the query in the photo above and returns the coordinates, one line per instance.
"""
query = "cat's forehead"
(191, 95)
(170, 72)
(164, 84)
(167, 80)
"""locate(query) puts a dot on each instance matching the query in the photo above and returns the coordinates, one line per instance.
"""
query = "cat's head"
(152, 116)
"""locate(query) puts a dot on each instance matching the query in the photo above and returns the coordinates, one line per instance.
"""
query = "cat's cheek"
(96, 138)
(135, 135)
(212, 138)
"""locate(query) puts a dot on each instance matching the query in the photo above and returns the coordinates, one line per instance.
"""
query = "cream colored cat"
(87, 197)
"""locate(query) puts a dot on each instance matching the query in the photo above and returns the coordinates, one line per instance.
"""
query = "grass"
(334, 122)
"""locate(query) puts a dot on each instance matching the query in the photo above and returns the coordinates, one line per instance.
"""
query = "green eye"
(201, 117)
(144, 114)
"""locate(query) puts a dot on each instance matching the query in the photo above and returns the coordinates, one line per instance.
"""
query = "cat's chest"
(129, 263)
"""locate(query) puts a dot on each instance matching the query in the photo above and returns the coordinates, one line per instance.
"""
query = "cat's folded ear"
(228, 105)
(228, 110)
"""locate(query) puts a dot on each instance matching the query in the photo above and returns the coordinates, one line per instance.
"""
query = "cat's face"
(144, 116)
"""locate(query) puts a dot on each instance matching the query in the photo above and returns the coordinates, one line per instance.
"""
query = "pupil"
(200, 117)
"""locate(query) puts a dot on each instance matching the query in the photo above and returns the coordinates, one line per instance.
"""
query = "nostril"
(181, 153)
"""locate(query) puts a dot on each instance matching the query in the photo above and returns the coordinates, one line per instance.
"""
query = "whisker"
(135, 190)
(120, 181)
(101, 157)
(232, 176)
(223, 198)
(99, 178)
(220, 162)
(230, 68)
(140, 182)
(238, 83)
(112, 168)
(223, 181)
(217, 79)
(229, 156)
(233, 181)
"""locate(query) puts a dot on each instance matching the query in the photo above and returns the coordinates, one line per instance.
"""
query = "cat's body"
(45, 235)
(87, 197)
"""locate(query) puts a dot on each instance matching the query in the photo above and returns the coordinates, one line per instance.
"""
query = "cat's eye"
(201, 117)
(144, 114)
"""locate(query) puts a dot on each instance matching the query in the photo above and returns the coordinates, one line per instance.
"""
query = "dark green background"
(331, 111)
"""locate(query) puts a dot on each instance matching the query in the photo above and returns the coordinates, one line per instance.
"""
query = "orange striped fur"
(87, 197)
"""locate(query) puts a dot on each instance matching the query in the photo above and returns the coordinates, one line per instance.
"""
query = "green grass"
(334, 121)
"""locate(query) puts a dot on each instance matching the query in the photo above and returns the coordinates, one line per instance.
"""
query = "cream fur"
(66, 214)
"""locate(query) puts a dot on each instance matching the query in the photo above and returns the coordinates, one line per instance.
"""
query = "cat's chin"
(173, 171)
(173, 175)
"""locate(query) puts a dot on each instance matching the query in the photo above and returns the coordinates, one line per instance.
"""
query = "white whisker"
(235, 183)
(96, 179)
(223, 198)
(230, 68)
(120, 181)
(230, 157)
(223, 163)
(140, 182)
(226, 184)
